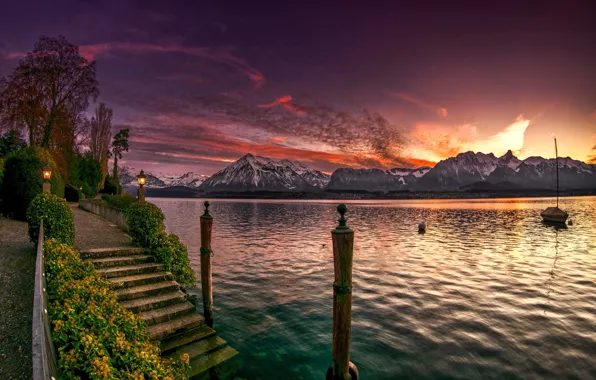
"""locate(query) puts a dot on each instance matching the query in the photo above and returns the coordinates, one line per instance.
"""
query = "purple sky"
(202, 83)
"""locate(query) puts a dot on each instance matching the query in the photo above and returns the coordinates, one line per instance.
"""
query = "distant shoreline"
(185, 192)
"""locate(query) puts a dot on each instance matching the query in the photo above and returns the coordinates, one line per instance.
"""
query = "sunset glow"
(203, 86)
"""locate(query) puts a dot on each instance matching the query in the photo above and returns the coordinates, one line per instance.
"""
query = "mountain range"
(464, 172)
(128, 177)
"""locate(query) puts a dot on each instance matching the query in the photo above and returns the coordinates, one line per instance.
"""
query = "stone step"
(130, 270)
(155, 289)
(140, 279)
(209, 360)
(98, 253)
(167, 313)
(155, 302)
(171, 343)
(175, 326)
(119, 261)
(198, 348)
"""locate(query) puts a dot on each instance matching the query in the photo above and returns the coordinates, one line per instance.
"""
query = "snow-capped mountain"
(128, 177)
(507, 171)
(375, 179)
(252, 173)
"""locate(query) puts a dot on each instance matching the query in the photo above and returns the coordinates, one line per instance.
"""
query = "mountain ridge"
(465, 171)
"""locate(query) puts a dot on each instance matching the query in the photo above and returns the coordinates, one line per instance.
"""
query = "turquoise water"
(489, 292)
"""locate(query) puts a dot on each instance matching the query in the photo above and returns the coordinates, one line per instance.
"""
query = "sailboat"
(555, 214)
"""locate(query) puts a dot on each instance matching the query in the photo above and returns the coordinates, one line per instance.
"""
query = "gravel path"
(17, 269)
(93, 231)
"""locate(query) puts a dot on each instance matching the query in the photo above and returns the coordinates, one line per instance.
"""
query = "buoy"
(422, 227)
(570, 222)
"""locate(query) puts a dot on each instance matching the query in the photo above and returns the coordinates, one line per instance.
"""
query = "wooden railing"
(44, 354)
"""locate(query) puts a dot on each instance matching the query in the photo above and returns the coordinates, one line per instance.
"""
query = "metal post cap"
(207, 204)
(342, 209)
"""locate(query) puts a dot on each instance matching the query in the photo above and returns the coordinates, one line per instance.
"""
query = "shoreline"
(180, 192)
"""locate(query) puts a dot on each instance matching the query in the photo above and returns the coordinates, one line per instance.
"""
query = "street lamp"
(46, 173)
(141, 178)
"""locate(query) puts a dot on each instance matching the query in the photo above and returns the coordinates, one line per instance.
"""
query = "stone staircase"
(146, 289)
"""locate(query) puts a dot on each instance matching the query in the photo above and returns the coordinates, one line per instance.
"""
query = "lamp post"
(46, 173)
(141, 178)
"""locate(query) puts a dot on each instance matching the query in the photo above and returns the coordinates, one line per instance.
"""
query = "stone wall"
(114, 216)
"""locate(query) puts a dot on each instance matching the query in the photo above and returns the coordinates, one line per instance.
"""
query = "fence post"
(206, 281)
(343, 251)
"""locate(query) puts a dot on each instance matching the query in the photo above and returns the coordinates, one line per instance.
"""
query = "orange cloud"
(284, 101)
(440, 111)
(437, 142)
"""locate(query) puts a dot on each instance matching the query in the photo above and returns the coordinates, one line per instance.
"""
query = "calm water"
(487, 292)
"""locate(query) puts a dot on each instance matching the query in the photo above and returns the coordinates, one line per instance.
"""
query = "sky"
(380, 84)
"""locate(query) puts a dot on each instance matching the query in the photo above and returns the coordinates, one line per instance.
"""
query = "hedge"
(145, 224)
(146, 227)
(58, 221)
(119, 202)
(174, 255)
(96, 337)
(22, 180)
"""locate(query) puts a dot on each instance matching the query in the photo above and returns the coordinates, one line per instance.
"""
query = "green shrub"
(96, 337)
(22, 180)
(119, 202)
(58, 222)
(145, 224)
(174, 255)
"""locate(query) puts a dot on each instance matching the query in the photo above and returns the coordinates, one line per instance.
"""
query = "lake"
(488, 292)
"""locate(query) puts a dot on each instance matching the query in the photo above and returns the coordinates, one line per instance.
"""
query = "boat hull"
(554, 215)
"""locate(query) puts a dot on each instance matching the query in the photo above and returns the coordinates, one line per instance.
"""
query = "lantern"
(46, 172)
(141, 178)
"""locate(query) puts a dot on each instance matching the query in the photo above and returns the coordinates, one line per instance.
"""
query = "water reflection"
(467, 299)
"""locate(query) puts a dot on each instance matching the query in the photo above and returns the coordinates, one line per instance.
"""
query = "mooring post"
(343, 252)
(206, 281)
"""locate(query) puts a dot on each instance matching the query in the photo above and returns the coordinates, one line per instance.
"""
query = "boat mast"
(557, 164)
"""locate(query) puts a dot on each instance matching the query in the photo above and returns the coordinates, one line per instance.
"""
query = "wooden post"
(206, 281)
(46, 187)
(343, 248)
(141, 193)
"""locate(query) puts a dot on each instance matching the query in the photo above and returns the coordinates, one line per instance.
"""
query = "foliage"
(174, 255)
(145, 224)
(22, 180)
(100, 134)
(96, 337)
(1, 173)
(119, 146)
(51, 85)
(85, 172)
(146, 227)
(58, 222)
(119, 202)
(11, 142)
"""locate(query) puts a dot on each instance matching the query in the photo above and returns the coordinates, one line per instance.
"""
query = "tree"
(53, 81)
(10, 142)
(119, 145)
(85, 172)
(100, 134)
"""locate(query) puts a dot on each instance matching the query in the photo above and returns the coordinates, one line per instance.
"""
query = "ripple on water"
(487, 292)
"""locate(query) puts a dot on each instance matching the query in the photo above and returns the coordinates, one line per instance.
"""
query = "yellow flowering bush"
(95, 336)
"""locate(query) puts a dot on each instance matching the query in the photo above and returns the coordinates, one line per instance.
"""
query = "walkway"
(93, 231)
(145, 288)
(17, 269)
